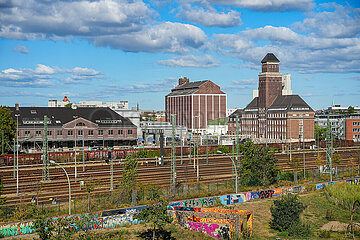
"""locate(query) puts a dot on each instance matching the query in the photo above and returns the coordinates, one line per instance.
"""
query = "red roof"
(66, 99)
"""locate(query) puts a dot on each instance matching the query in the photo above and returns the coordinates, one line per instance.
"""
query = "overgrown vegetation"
(258, 166)
(7, 127)
(343, 195)
(286, 216)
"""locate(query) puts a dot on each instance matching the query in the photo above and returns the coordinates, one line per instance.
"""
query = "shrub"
(343, 195)
(324, 234)
(286, 211)
(298, 229)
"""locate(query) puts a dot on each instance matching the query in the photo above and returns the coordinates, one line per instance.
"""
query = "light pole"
(17, 153)
(75, 151)
(67, 176)
(236, 174)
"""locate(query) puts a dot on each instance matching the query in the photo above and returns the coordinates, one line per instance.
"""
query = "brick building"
(271, 116)
(96, 126)
(195, 103)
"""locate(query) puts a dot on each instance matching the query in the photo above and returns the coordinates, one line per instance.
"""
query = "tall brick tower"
(270, 81)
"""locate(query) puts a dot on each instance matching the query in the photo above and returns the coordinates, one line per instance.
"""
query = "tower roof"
(270, 57)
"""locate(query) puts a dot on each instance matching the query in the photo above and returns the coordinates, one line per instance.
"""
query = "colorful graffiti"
(119, 217)
(217, 228)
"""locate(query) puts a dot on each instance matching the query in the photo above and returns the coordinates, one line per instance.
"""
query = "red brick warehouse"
(195, 103)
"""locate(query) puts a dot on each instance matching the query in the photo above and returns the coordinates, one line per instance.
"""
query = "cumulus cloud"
(264, 5)
(341, 22)
(119, 24)
(21, 49)
(45, 76)
(164, 37)
(206, 61)
(155, 86)
(210, 18)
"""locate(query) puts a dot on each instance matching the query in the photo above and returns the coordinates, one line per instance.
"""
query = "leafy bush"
(285, 212)
(258, 166)
(324, 234)
(298, 229)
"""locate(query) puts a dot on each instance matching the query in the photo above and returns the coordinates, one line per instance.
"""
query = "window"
(301, 122)
(91, 132)
(300, 129)
(101, 132)
(110, 132)
(129, 131)
(38, 133)
(80, 132)
(70, 133)
(120, 132)
(27, 133)
(80, 124)
(59, 132)
(354, 123)
(49, 133)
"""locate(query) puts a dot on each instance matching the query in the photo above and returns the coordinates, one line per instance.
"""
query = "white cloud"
(210, 18)
(21, 49)
(119, 24)
(264, 5)
(45, 76)
(206, 61)
(342, 22)
(164, 37)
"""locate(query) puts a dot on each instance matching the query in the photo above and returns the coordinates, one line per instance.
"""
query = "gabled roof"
(238, 112)
(187, 88)
(290, 103)
(60, 115)
(270, 57)
(253, 104)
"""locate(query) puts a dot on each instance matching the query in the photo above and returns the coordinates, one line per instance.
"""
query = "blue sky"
(112, 50)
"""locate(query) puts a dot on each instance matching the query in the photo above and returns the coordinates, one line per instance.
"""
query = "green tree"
(257, 167)
(156, 212)
(43, 227)
(351, 109)
(89, 187)
(320, 133)
(7, 126)
(69, 105)
(128, 181)
(286, 212)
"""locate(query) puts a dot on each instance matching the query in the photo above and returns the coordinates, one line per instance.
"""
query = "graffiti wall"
(217, 228)
(119, 217)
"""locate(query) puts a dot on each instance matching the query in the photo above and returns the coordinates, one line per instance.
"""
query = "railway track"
(219, 168)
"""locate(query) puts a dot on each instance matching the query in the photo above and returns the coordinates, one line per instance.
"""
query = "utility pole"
(111, 171)
(45, 174)
(83, 149)
(237, 141)
(14, 159)
(329, 147)
(75, 151)
(181, 145)
(207, 149)
(173, 156)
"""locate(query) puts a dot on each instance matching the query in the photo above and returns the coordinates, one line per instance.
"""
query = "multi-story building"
(343, 126)
(195, 103)
(272, 116)
(95, 126)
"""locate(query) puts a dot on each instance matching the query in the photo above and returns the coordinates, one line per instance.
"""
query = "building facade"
(195, 103)
(272, 116)
(93, 126)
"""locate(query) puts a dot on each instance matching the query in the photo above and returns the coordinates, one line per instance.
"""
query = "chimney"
(183, 80)
(17, 106)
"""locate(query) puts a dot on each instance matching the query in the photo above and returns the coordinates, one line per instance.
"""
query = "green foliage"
(351, 109)
(7, 125)
(336, 158)
(156, 212)
(286, 211)
(62, 229)
(2, 200)
(128, 181)
(258, 166)
(324, 234)
(320, 133)
(343, 195)
(221, 149)
(298, 229)
(329, 215)
(43, 227)
(69, 105)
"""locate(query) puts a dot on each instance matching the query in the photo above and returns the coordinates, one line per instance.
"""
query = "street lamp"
(17, 153)
(236, 174)
(67, 176)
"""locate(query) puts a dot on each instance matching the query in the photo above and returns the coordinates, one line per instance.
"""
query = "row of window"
(356, 129)
(80, 132)
(356, 123)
